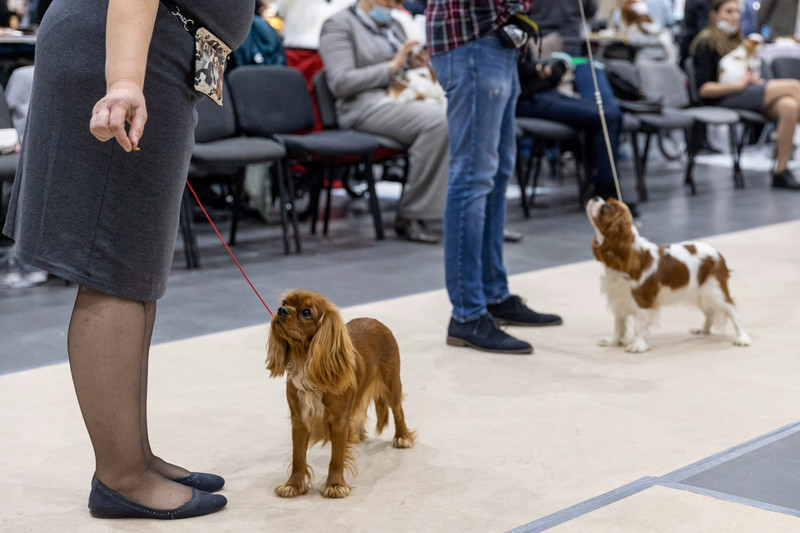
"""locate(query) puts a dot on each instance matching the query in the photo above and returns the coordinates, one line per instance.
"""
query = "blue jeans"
(581, 113)
(480, 79)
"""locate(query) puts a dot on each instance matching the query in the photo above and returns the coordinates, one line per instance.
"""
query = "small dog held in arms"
(641, 276)
(742, 60)
(417, 84)
(334, 371)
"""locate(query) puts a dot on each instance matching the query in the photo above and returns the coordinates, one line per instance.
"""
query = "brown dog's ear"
(615, 251)
(277, 354)
(331, 362)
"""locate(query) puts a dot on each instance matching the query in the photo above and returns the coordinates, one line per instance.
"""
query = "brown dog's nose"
(282, 311)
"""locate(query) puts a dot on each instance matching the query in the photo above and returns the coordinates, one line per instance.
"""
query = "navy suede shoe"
(514, 312)
(483, 334)
(106, 503)
(201, 481)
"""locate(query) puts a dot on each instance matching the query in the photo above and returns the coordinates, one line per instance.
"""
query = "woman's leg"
(106, 343)
(779, 88)
(786, 109)
(167, 470)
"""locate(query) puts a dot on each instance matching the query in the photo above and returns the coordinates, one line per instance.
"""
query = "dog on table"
(641, 276)
(334, 371)
(635, 21)
(742, 60)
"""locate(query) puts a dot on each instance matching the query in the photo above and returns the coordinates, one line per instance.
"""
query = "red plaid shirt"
(451, 23)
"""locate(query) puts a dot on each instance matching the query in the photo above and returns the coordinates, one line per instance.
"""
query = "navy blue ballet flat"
(106, 503)
(201, 481)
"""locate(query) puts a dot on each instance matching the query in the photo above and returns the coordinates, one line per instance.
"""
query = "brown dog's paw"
(403, 442)
(290, 491)
(336, 491)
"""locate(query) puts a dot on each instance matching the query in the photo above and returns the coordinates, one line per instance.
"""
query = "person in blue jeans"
(479, 75)
(540, 99)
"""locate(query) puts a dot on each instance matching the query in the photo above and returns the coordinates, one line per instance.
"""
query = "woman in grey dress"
(105, 214)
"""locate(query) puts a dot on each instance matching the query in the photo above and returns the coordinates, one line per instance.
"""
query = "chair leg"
(736, 150)
(314, 191)
(535, 168)
(522, 179)
(638, 165)
(285, 202)
(286, 176)
(373, 198)
(238, 195)
(692, 134)
(190, 251)
(329, 191)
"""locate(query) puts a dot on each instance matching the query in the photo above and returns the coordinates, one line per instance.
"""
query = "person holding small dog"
(104, 216)
(777, 98)
(474, 53)
(364, 49)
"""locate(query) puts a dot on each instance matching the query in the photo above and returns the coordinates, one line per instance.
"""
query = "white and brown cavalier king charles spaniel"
(641, 276)
(334, 371)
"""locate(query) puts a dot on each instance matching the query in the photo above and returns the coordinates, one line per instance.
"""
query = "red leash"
(226, 246)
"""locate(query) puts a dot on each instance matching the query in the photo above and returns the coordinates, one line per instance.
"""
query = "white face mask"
(727, 28)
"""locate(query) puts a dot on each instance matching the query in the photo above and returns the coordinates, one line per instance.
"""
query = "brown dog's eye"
(306, 313)
(605, 208)
(284, 302)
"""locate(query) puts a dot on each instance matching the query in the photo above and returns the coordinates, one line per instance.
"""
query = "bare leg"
(167, 470)
(782, 101)
(106, 343)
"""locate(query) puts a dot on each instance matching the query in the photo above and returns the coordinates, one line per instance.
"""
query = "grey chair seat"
(712, 115)
(545, 128)
(333, 143)
(630, 123)
(237, 151)
(668, 119)
(753, 116)
(391, 144)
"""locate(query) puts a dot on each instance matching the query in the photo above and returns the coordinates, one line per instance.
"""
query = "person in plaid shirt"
(477, 67)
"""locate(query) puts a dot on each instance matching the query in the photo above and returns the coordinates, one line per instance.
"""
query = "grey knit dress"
(88, 211)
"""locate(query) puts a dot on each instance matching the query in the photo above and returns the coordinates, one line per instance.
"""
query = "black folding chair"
(273, 101)
(220, 155)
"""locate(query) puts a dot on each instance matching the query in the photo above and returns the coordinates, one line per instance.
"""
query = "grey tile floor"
(351, 267)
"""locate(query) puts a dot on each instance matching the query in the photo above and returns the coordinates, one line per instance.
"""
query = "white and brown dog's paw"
(637, 346)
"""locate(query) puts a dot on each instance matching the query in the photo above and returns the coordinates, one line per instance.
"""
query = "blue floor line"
(580, 509)
(673, 481)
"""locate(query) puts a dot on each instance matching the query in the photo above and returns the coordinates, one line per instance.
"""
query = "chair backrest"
(215, 122)
(270, 99)
(664, 81)
(688, 68)
(623, 78)
(325, 101)
(786, 67)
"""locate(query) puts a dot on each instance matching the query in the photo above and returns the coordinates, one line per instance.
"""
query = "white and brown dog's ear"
(331, 362)
(277, 354)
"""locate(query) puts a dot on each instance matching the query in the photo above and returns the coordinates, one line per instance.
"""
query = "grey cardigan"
(356, 63)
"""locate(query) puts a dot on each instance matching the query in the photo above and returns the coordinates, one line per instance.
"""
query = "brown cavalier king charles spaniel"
(334, 371)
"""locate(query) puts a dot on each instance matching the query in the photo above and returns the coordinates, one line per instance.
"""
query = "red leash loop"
(226, 246)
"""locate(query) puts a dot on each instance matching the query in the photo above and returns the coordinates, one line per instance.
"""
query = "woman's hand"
(402, 56)
(420, 59)
(749, 79)
(123, 102)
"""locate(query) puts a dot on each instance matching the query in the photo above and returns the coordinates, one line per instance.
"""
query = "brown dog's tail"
(382, 412)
